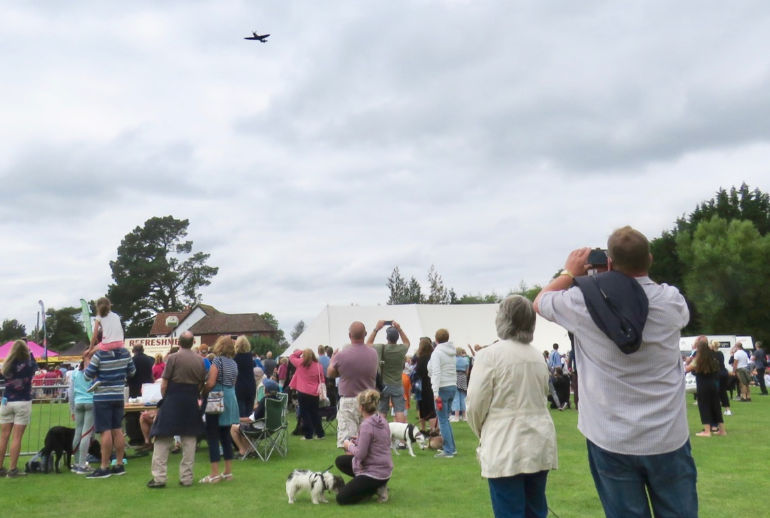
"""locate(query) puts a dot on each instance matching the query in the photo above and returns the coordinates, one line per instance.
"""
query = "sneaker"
(118, 470)
(3, 472)
(442, 454)
(152, 484)
(81, 470)
(15, 473)
(382, 494)
(453, 419)
(727, 412)
(100, 473)
(564, 405)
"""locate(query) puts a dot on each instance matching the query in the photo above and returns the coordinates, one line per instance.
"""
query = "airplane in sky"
(257, 37)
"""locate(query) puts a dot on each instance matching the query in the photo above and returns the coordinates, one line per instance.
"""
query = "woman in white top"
(507, 411)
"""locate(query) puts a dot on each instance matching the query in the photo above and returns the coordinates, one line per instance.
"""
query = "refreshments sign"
(157, 345)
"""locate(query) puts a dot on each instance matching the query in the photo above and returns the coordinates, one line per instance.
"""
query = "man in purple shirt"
(356, 367)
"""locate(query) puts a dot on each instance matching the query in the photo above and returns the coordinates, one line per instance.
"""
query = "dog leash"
(81, 438)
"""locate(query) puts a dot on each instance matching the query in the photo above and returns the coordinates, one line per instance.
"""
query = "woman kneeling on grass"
(368, 460)
(507, 412)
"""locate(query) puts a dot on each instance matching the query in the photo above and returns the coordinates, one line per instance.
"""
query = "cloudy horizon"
(486, 139)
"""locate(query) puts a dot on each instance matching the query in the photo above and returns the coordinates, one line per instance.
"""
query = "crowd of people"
(624, 330)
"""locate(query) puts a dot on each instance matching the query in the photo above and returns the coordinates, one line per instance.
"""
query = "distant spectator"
(245, 385)
(283, 372)
(760, 362)
(157, 369)
(741, 371)
(322, 358)
(269, 364)
(306, 382)
(554, 358)
(443, 380)
(391, 356)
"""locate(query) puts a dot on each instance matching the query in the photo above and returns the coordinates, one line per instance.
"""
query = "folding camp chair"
(329, 419)
(270, 434)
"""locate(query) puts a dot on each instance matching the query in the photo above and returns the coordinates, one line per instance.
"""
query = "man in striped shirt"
(632, 403)
(109, 369)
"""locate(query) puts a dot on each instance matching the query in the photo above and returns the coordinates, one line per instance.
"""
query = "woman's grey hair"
(516, 319)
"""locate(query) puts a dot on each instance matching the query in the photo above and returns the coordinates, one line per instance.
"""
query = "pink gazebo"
(36, 349)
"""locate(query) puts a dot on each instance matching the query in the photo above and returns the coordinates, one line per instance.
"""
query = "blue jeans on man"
(520, 496)
(625, 481)
(447, 394)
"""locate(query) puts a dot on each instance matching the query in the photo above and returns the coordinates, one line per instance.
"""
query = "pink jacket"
(306, 379)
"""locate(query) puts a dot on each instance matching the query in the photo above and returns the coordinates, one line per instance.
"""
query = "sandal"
(227, 476)
(208, 479)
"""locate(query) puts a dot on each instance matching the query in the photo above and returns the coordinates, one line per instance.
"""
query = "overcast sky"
(487, 138)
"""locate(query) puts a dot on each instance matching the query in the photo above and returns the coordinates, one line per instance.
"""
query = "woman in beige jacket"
(507, 411)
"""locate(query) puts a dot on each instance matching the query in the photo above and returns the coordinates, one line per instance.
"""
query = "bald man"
(356, 367)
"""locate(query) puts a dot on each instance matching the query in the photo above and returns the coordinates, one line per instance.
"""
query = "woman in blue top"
(16, 408)
(462, 365)
(221, 378)
(82, 412)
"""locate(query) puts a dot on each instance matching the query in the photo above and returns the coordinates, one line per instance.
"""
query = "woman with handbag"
(221, 409)
(309, 382)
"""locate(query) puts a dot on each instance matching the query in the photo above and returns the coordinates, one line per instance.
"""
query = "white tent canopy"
(467, 324)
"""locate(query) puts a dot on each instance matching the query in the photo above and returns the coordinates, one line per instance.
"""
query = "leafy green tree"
(401, 291)
(12, 329)
(413, 292)
(490, 298)
(64, 327)
(156, 271)
(671, 256)
(727, 275)
(438, 294)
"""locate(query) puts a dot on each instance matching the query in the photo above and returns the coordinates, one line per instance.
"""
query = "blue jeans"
(520, 496)
(84, 429)
(447, 394)
(625, 481)
(458, 405)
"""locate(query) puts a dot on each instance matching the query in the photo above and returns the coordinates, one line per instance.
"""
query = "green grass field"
(727, 466)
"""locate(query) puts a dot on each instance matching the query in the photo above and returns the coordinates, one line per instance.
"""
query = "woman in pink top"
(157, 369)
(306, 380)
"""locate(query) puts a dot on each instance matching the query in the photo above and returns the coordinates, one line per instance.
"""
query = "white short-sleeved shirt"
(112, 329)
(741, 359)
(632, 404)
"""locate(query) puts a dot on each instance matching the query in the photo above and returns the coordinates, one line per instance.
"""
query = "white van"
(726, 343)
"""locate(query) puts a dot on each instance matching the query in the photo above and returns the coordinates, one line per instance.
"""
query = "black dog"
(58, 441)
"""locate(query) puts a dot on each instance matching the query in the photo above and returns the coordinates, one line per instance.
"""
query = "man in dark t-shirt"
(760, 363)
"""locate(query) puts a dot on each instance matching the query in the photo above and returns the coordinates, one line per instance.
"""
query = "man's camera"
(597, 258)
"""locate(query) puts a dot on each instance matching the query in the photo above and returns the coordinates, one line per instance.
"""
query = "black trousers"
(708, 402)
(724, 382)
(308, 412)
(761, 380)
(360, 488)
